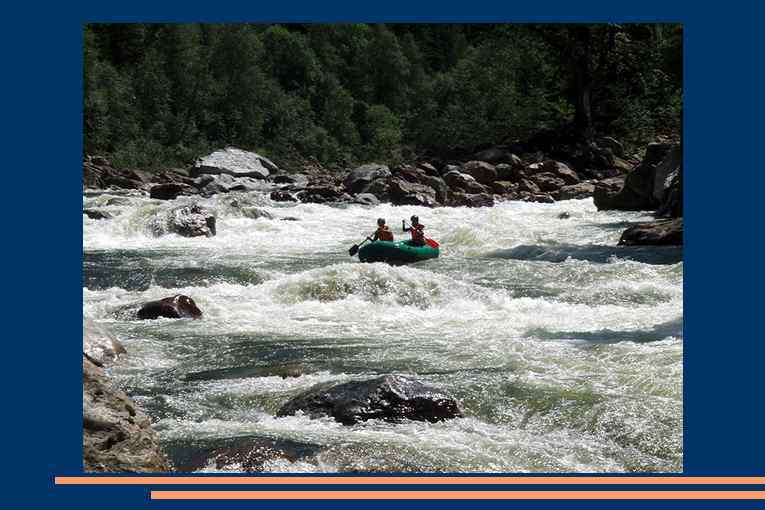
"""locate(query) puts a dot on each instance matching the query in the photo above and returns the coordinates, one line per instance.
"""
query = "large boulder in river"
(235, 162)
(390, 398)
(410, 193)
(656, 233)
(173, 307)
(360, 178)
(190, 221)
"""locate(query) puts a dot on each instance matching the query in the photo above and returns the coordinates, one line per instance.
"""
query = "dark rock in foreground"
(390, 398)
(173, 307)
(658, 233)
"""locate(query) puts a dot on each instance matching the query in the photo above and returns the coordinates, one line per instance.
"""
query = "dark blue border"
(724, 352)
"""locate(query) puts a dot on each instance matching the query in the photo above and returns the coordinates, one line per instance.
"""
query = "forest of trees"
(162, 94)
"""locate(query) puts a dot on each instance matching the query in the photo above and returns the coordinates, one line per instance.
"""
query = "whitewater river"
(564, 351)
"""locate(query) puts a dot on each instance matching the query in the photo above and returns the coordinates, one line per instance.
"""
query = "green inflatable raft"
(398, 252)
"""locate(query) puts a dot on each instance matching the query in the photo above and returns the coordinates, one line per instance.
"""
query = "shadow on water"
(592, 253)
(608, 336)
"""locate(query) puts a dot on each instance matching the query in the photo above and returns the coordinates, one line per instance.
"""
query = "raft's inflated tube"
(400, 252)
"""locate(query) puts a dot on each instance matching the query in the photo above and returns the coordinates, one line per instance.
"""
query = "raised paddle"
(355, 248)
(430, 242)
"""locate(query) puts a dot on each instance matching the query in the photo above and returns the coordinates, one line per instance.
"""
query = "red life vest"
(417, 235)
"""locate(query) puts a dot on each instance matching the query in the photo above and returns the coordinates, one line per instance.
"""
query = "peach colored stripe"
(408, 495)
(407, 480)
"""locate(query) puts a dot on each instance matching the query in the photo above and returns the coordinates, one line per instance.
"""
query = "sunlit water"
(564, 351)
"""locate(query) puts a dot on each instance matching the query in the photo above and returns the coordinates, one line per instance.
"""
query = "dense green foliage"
(162, 94)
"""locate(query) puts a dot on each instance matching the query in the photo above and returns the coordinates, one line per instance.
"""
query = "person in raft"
(383, 233)
(418, 236)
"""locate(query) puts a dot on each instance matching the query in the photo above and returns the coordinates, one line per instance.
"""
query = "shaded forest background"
(160, 95)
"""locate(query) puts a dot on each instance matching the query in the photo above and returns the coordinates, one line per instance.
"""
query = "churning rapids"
(564, 351)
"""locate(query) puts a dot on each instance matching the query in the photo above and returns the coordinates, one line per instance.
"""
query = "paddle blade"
(354, 250)
(432, 243)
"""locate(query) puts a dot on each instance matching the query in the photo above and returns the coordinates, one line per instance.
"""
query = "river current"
(564, 351)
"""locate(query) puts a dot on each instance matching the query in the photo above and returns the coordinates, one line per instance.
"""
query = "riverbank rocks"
(99, 345)
(390, 398)
(657, 233)
(97, 172)
(459, 181)
(116, 435)
(366, 199)
(483, 172)
(459, 199)
(645, 186)
(360, 178)
(234, 162)
(409, 193)
(173, 307)
(191, 221)
(548, 182)
(575, 191)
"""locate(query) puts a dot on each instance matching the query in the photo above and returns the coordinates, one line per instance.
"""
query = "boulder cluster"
(549, 167)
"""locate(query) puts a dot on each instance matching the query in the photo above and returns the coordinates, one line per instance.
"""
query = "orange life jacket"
(384, 234)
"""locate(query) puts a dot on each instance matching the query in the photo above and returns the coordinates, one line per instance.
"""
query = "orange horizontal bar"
(407, 480)
(408, 495)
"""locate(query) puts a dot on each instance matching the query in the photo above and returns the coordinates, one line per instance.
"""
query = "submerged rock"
(173, 307)
(657, 233)
(97, 214)
(390, 398)
(243, 453)
(235, 162)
